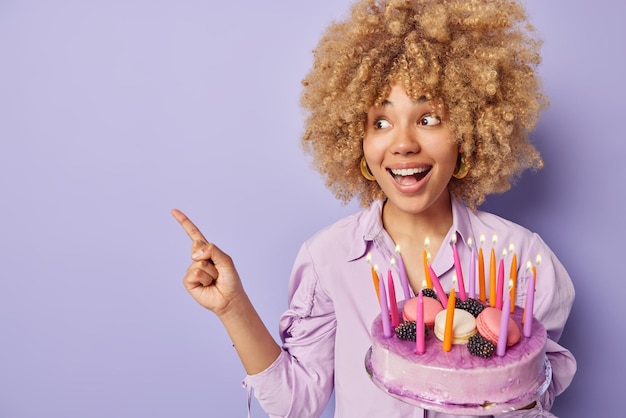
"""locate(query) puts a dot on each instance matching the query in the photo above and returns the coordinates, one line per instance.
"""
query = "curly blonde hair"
(477, 57)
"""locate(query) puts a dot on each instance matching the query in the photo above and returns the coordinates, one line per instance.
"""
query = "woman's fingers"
(200, 273)
(198, 240)
(201, 248)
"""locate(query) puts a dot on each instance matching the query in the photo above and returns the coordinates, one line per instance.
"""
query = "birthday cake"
(470, 378)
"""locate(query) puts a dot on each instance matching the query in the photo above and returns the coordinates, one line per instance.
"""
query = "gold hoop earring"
(365, 170)
(461, 169)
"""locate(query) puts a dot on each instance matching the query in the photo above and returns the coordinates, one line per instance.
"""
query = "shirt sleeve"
(300, 381)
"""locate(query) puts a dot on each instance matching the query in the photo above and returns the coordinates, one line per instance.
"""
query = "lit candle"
(537, 262)
(438, 289)
(472, 277)
(404, 281)
(458, 269)
(492, 274)
(419, 325)
(393, 305)
(448, 333)
(429, 283)
(504, 324)
(529, 268)
(528, 308)
(500, 284)
(481, 271)
(513, 276)
(374, 277)
(384, 309)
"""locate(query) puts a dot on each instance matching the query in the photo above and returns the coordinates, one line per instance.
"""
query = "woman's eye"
(381, 124)
(430, 120)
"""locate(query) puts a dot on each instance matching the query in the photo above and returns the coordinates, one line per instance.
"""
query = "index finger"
(192, 230)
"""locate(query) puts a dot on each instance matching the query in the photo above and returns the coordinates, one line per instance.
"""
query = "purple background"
(112, 112)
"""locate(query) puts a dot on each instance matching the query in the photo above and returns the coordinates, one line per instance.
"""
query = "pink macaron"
(431, 308)
(488, 325)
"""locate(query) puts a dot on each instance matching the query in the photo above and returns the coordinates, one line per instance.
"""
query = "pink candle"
(404, 281)
(393, 305)
(528, 309)
(384, 308)
(438, 289)
(459, 270)
(419, 325)
(500, 285)
(504, 326)
(472, 271)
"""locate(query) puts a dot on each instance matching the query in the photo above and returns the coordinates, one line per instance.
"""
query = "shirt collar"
(461, 222)
(371, 228)
(462, 227)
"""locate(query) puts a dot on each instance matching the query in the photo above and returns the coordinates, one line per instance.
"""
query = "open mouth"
(407, 176)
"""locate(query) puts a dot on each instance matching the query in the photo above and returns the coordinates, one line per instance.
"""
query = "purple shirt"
(332, 302)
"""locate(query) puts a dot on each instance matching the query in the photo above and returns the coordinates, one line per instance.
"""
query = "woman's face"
(410, 152)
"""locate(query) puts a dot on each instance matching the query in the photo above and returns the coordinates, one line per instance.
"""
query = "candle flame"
(538, 259)
(510, 284)
(454, 238)
(482, 239)
(426, 242)
(504, 253)
(454, 280)
(529, 265)
(397, 249)
(369, 258)
(423, 284)
(494, 239)
(392, 261)
(511, 248)
(469, 242)
(376, 268)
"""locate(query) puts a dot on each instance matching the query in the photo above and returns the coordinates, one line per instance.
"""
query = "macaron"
(488, 325)
(431, 308)
(463, 326)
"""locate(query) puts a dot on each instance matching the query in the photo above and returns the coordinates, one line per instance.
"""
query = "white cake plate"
(468, 409)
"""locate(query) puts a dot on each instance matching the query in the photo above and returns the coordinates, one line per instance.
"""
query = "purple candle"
(500, 285)
(384, 309)
(504, 326)
(404, 281)
(459, 270)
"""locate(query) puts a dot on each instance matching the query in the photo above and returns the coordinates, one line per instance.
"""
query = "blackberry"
(406, 330)
(430, 293)
(470, 305)
(480, 346)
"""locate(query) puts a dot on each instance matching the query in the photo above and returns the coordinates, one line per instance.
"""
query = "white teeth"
(407, 171)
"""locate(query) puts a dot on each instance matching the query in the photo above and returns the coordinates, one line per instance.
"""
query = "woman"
(420, 109)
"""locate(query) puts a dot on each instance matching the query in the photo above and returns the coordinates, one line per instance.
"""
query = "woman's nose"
(406, 141)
